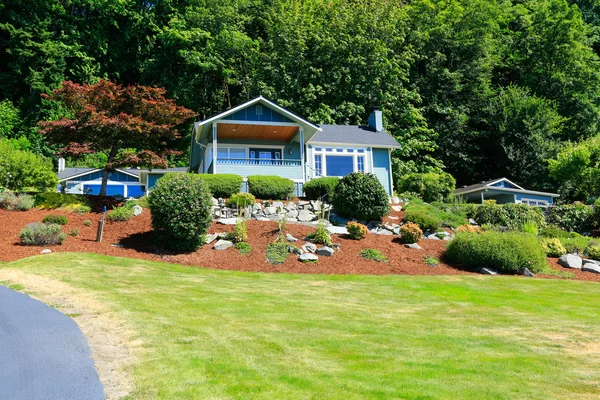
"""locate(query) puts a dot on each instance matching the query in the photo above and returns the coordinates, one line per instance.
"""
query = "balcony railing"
(258, 161)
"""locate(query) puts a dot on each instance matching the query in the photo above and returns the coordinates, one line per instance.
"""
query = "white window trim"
(526, 201)
(247, 147)
(323, 152)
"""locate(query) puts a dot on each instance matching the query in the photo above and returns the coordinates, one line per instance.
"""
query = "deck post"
(482, 202)
(214, 148)
(302, 154)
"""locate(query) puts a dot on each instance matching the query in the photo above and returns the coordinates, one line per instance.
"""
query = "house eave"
(501, 189)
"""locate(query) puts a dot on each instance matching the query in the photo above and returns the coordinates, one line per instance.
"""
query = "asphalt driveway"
(43, 354)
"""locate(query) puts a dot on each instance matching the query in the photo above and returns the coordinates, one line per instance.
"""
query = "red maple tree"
(107, 117)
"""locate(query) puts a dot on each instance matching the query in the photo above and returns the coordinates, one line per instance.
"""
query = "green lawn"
(219, 335)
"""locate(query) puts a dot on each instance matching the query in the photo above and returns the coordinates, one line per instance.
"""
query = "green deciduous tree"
(23, 170)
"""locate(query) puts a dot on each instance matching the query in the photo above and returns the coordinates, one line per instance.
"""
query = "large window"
(338, 161)
(339, 165)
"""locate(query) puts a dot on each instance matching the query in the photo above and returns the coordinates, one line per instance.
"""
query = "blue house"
(504, 191)
(261, 138)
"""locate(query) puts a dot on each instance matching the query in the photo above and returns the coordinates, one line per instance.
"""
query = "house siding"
(534, 197)
(250, 114)
(381, 168)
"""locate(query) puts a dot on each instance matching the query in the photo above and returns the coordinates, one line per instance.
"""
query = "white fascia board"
(374, 146)
(78, 175)
(501, 189)
(504, 180)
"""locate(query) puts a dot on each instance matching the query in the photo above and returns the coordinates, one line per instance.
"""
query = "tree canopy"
(478, 88)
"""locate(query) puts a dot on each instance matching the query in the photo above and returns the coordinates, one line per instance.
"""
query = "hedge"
(506, 252)
(222, 185)
(319, 187)
(266, 187)
(571, 217)
(509, 215)
(430, 186)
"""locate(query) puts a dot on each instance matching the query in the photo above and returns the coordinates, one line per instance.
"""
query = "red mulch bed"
(134, 239)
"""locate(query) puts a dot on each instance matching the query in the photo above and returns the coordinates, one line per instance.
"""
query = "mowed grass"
(223, 335)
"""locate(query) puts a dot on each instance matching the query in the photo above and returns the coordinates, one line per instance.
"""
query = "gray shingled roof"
(69, 172)
(163, 171)
(477, 186)
(353, 134)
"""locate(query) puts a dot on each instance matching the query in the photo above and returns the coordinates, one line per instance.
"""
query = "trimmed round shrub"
(361, 196)
(222, 185)
(241, 200)
(55, 219)
(430, 186)
(410, 233)
(426, 222)
(553, 247)
(506, 252)
(593, 252)
(266, 187)
(356, 231)
(38, 234)
(320, 187)
(181, 209)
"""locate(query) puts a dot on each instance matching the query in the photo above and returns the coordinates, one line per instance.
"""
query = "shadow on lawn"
(145, 242)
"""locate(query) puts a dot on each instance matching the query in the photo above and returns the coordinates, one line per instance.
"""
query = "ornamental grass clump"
(356, 231)
(124, 213)
(321, 236)
(38, 234)
(410, 233)
(55, 219)
(373, 254)
(241, 200)
(506, 252)
(181, 209)
(553, 247)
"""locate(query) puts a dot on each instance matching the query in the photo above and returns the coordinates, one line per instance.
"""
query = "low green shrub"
(553, 247)
(426, 221)
(87, 222)
(361, 196)
(552, 231)
(575, 217)
(320, 188)
(77, 208)
(321, 236)
(356, 231)
(434, 216)
(509, 215)
(181, 209)
(464, 210)
(222, 185)
(506, 252)
(7, 199)
(74, 232)
(577, 245)
(529, 227)
(429, 186)
(373, 254)
(123, 213)
(53, 200)
(431, 261)
(593, 252)
(277, 253)
(267, 187)
(240, 233)
(410, 233)
(243, 247)
(241, 200)
(24, 202)
(55, 219)
(38, 234)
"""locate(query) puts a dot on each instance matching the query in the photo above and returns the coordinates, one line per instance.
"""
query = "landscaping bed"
(133, 238)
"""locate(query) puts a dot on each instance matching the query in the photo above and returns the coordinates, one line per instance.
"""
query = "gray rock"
(210, 237)
(293, 213)
(227, 221)
(433, 237)
(290, 238)
(302, 203)
(274, 217)
(337, 246)
(412, 246)
(448, 238)
(381, 231)
(306, 216)
(397, 208)
(309, 248)
(277, 204)
(588, 261)
(222, 244)
(316, 205)
(291, 219)
(395, 200)
(488, 271)
(391, 227)
(215, 202)
(256, 207)
(591, 267)
(263, 219)
(325, 251)
(340, 221)
(570, 261)
(270, 210)
(526, 272)
(294, 250)
(307, 257)
(46, 251)
(340, 230)
(137, 210)
(472, 221)
(291, 206)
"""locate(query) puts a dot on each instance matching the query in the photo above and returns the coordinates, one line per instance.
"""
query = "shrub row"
(320, 187)
(222, 185)
(506, 252)
(509, 215)
(429, 186)
(266, 187)
(12, 201)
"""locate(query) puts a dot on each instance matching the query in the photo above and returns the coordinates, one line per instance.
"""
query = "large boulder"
(412, 246)
(309, 248)
(137, 210)
(570, 261)
(306, 216)
(307, 257)
(290, 238)
(325, 251)
(340, 230)
(222, 244)
(488, 271)
(591, 267)
(227, 221)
